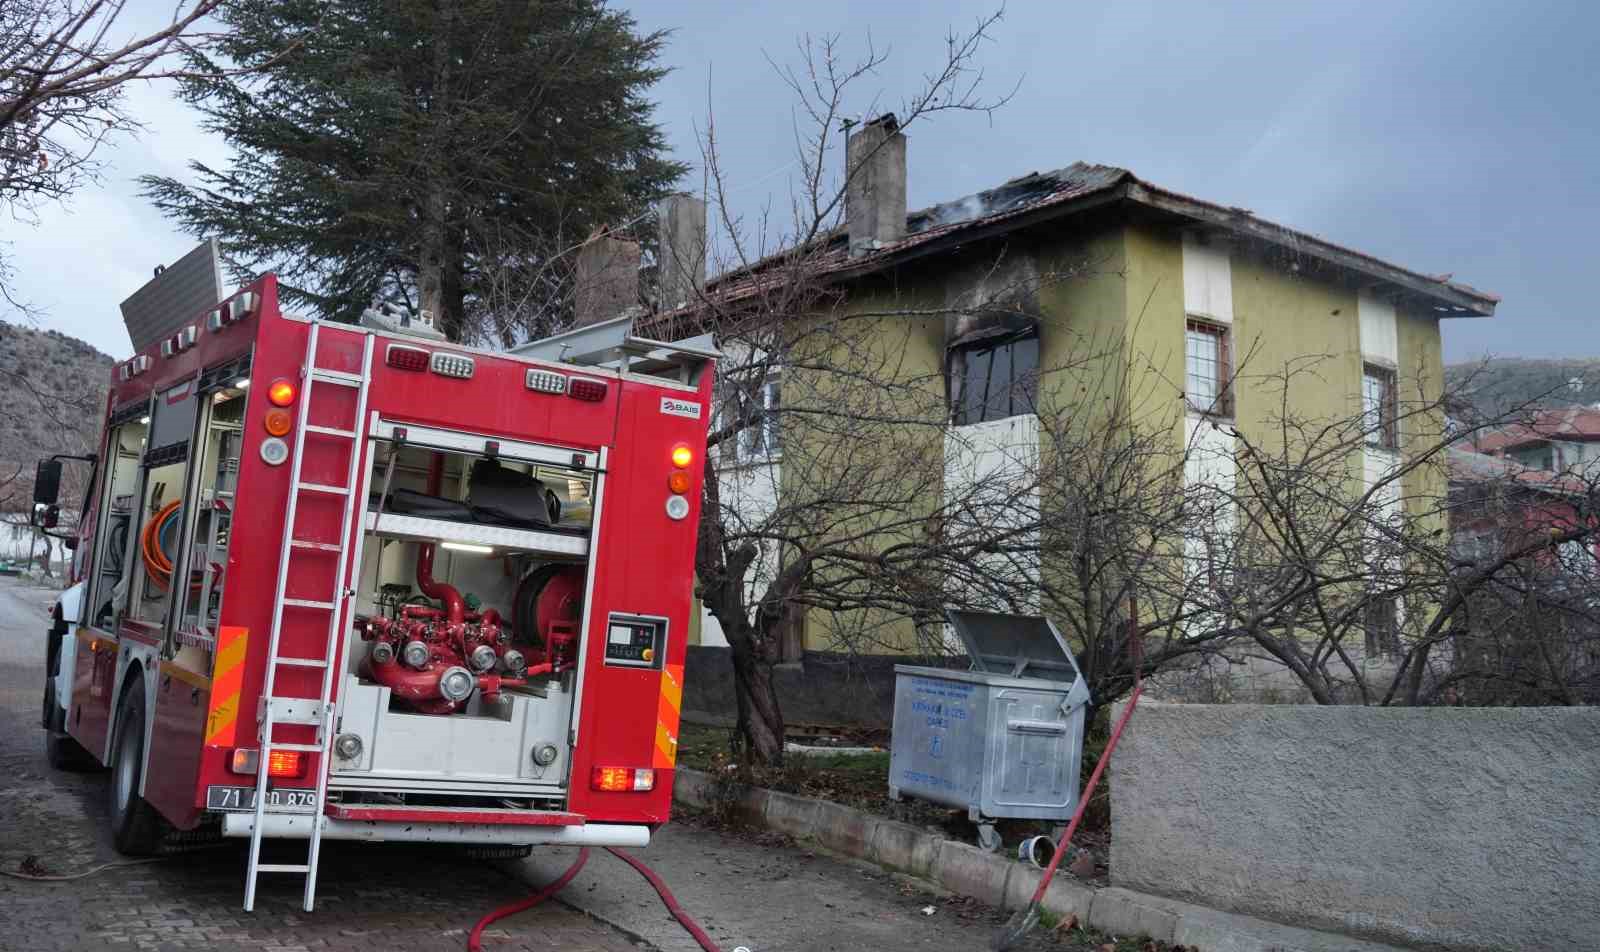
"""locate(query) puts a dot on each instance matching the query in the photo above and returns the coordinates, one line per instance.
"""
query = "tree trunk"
(434, 204)
(760, 716)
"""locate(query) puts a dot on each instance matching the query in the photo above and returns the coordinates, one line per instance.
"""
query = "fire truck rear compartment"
(460, 665)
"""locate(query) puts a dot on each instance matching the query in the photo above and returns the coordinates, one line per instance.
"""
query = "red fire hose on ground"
(1020, 923)
(475, 940)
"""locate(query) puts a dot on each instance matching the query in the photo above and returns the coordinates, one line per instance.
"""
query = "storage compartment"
(460, 664)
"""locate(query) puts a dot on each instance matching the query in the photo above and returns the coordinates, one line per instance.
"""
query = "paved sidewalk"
(749, 891)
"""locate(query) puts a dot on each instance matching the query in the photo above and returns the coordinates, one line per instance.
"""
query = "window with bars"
(994, 377)
(1378, 406)
(1206, 368)
(1381, 621)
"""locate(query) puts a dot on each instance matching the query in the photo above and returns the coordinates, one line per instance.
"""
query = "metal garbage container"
(1002, 740)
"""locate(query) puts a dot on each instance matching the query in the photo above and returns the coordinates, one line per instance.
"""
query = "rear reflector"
(401, 357)
(623, 779)
(585, 388)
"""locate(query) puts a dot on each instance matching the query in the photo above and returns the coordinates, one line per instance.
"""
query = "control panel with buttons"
(635, 641)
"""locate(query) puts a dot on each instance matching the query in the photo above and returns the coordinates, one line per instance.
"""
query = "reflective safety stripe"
(227, 676)
(666, 751)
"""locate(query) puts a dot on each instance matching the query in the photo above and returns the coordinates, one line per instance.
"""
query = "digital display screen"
(635, 640)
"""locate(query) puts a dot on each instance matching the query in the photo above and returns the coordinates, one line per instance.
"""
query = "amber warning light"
(280, 393)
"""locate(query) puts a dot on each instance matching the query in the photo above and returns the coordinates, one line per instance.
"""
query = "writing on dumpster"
(939, 703)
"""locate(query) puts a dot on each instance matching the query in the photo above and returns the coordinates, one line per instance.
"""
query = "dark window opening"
(1381, 619)
(994, 377)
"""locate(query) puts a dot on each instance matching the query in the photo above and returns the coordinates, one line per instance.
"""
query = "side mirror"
(46, 517)
(47, 483)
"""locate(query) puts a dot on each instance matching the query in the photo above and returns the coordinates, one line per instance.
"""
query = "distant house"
(1499, 505)
(1554, 440)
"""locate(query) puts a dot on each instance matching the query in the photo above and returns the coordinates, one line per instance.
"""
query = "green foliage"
(505, 130)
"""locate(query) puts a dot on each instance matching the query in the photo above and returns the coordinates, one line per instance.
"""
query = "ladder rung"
(282, 868)
(308, 603)
(303, 748)
(317, 546)
(331, 431)
(303, 662)
(336, 376)
(324, 488)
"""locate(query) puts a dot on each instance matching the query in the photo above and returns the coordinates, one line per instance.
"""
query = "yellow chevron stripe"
(667, 715)
(227, 679)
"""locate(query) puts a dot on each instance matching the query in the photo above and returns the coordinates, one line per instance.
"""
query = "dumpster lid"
(1014, 645)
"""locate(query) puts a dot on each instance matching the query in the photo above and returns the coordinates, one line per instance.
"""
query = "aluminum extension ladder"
(315, 712)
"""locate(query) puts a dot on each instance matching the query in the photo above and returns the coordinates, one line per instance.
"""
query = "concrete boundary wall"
(1466, 828)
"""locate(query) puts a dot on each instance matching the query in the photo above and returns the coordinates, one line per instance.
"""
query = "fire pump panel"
(635, 641)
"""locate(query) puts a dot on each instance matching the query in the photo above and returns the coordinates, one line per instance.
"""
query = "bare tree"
(63, 67)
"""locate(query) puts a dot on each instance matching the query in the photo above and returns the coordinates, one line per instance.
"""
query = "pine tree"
(424, 152)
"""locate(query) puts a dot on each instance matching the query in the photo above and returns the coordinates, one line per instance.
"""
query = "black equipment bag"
(507, 497)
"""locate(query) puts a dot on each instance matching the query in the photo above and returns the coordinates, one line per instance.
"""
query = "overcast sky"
(1444, 136)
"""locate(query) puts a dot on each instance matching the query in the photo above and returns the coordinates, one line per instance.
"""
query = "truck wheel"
(60, 749)
(136, 828)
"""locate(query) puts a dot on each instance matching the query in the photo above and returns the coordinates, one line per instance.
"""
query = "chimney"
(875, 190)
(606, 276)
(681, 257)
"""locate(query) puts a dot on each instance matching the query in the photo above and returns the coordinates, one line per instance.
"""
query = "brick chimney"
(606, 277)
(875, 191)
(681, 257)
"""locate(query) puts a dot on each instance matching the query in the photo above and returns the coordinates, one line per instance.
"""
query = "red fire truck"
(357, 582)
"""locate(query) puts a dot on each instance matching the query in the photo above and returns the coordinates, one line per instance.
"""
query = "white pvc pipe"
(298, 827)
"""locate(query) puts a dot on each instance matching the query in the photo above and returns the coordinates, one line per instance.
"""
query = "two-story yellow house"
(1200, 301)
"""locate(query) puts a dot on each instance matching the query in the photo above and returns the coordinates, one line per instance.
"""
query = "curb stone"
(999, 881)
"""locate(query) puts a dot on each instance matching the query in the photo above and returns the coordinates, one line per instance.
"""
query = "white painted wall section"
(750, 493)
(992, 469)
(1380, 341)
(1207, 280)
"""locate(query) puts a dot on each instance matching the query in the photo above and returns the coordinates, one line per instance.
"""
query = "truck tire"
(60, 748)
(136, 828)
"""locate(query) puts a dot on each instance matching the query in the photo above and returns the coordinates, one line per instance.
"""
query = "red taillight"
(623, 779)
(682, 456)
(280, 763)
(286, 763)
(584, 388)
(401, 357)
(280, 393)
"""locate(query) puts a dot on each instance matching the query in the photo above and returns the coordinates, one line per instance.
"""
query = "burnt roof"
(1040, 196)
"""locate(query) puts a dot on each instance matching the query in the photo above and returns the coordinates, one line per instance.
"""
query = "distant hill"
(1502, 383)
(53, 391)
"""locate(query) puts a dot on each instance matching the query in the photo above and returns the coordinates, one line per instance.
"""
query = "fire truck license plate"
(244, 798)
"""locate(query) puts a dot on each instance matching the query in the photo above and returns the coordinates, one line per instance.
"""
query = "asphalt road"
(760, 894)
